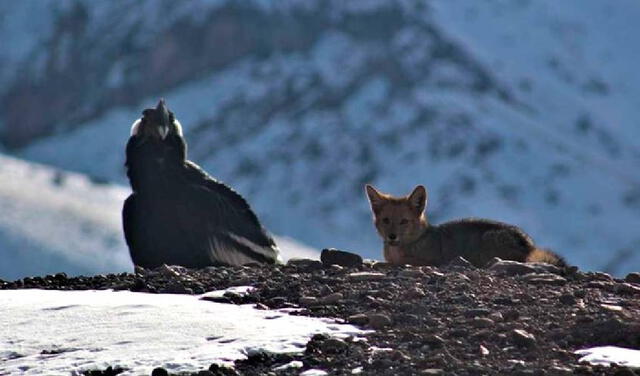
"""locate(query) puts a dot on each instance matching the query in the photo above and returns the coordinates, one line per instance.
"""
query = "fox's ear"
(376, 198)
(418, 199)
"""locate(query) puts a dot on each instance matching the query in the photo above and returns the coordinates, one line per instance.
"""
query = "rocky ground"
(510, 318)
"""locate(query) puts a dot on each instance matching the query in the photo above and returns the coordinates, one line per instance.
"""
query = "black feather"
(178, 214)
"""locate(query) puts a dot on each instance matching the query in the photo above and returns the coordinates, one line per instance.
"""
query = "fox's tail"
(545, 255)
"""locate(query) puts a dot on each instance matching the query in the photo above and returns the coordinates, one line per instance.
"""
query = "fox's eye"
(404, 221)
(385, 221)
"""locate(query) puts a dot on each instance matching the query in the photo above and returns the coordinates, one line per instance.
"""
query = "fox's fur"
(410, 239)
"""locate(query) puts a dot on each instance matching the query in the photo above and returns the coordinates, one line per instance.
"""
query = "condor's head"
(156, 143)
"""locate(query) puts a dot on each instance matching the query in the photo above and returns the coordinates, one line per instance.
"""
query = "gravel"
(454, 320)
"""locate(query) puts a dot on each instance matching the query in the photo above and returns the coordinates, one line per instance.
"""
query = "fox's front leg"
(393, 255)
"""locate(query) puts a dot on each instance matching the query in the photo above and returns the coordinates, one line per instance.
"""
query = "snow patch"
(606, 355)
(62, 332)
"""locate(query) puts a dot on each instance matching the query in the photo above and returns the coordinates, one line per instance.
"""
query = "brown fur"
(410, 239)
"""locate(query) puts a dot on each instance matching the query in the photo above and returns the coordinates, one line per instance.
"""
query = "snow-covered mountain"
(56, 221)
(522, 111)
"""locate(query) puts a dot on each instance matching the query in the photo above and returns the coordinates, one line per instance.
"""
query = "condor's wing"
(130, 223)
(227, 225)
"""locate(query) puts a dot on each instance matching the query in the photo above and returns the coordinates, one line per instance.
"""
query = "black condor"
(177, 213)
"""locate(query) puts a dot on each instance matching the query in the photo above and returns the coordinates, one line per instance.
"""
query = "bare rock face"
(66, 93)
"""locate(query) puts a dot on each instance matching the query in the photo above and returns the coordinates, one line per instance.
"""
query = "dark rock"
(380, 265)
(408, 319)
(139, 270)
(612, 331)
(326, 289)
(460, 262)
(331, 298)
(336, 268)
(366, 276)
(378, 320)
(544, 279)
(139, 284)
(583, 370)
(333, 346)
(411, 273)
(278, 301)
(434, 341)
(496, 316)
(333, 256)
(492, 261)
(217, 299)
(175, 287)
(508, 267)
(567, 299)
(171, 271)
(219, 370)
(459, 332)
(543, 267)
(601, 285)
(600, 276)
(462, 278)
(159, 372)
(504, 300)
(579, 293)
(414, 293)
(477, 312)
(524, 372)
(523, 338)
(482, 322)
(110, 371)
(314, 346)
(624, 371)
(627, 288)
(632, 278)
(261, 306)
(305, 265)
(560, 371)
(358, 319)
(308, 301)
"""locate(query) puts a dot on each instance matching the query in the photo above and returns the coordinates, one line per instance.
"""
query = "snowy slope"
(66, 332)
(520, 111)
(55, 221)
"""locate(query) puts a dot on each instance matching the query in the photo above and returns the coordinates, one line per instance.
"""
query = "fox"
(409, 238)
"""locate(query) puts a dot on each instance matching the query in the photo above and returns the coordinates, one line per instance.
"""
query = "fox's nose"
(392, 237)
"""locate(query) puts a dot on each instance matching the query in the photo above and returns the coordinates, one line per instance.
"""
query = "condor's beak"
(164, 118)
